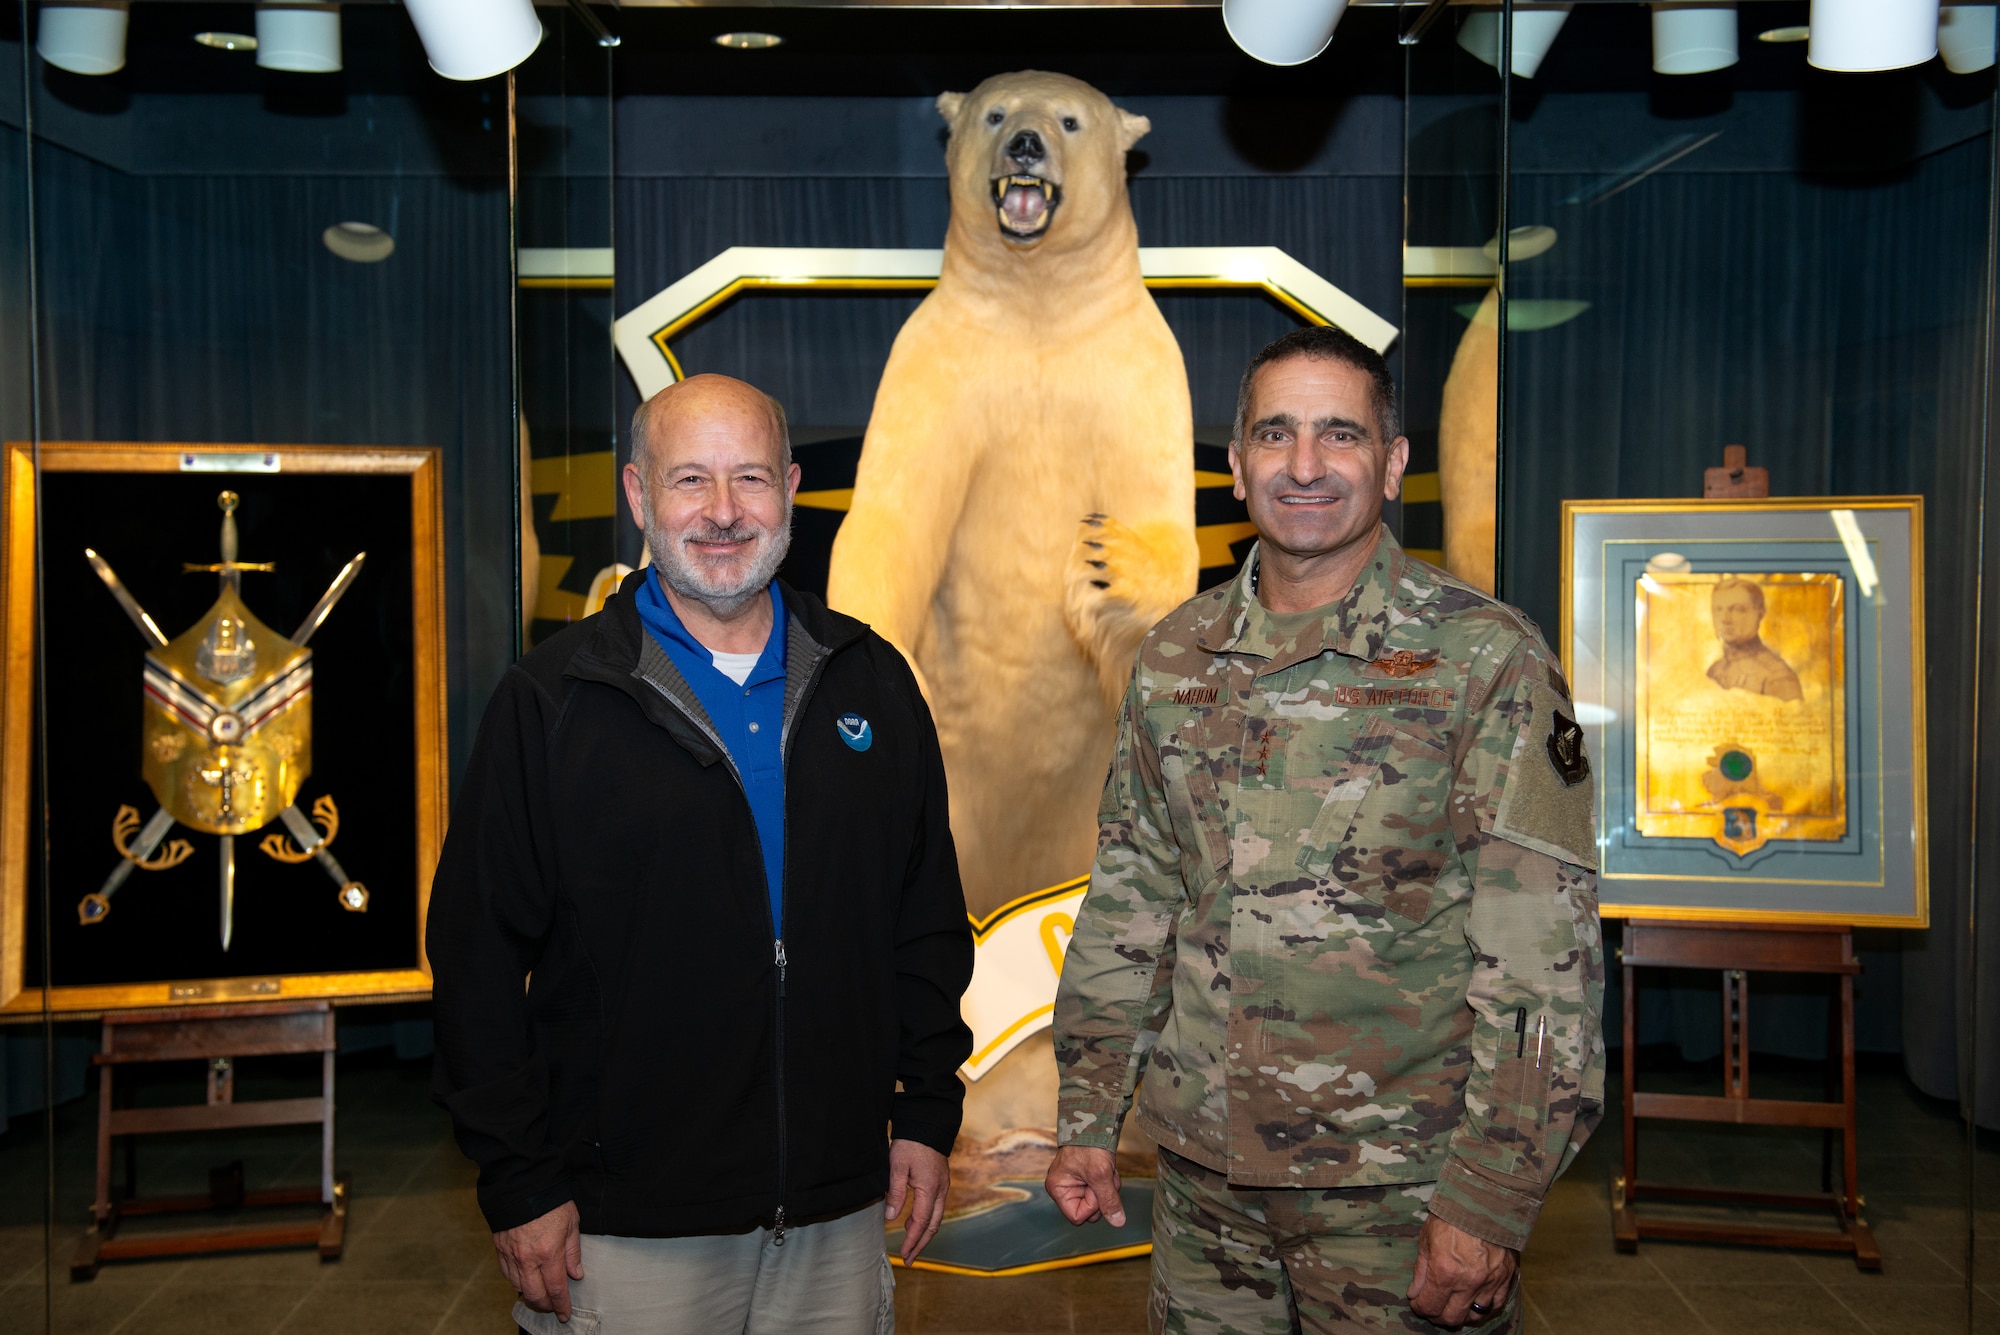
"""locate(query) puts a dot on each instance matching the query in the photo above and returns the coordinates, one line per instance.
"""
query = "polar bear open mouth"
(1025, 204)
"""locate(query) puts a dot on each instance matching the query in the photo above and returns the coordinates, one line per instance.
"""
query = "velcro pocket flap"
(1544, 807)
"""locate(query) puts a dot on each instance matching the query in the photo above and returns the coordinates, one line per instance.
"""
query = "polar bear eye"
(995, 116)
(1069, 124)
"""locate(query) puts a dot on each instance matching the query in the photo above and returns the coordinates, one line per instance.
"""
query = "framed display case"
(1751, 673)
(224, 807)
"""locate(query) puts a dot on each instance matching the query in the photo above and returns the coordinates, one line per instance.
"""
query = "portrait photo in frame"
(1750, 677)
(215, 657)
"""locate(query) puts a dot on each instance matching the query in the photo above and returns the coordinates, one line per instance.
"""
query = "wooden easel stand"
(1739, 949)
(216, 1035)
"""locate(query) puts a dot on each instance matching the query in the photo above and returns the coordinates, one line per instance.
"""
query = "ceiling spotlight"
(360, 242)
(475, 39)
(1282, 32)
(1535, 29)
(227, 41)
(300, 37)
(83, 39)
(1860, 36)
(1796, 33)
(748, 41)
(1693, 38)
(1965, 37)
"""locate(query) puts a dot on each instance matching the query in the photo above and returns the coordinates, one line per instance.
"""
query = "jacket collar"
(1357, 626)
(620, 653)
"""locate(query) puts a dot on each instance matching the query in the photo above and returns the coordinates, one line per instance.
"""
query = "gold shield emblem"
(228, 721)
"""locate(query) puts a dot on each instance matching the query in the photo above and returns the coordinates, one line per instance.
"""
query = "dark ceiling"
(907, 52)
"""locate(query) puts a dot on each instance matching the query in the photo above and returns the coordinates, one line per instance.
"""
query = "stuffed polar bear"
(1023, 511)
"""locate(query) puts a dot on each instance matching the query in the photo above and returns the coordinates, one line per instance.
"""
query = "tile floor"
(419, 1258)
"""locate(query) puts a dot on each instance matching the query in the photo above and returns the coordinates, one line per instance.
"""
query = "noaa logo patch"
(854, 730)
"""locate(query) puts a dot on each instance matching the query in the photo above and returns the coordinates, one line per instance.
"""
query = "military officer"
(1344, 911)
(1747, 663)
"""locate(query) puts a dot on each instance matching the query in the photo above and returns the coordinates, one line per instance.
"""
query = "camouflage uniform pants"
(1250, 1261)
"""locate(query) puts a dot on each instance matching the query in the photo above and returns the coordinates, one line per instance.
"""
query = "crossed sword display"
(153, 831)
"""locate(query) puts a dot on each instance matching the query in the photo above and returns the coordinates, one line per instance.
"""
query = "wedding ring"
(1479, 1310)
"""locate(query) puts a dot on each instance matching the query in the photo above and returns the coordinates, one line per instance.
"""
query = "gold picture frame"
(1750, 673)
(29, 479)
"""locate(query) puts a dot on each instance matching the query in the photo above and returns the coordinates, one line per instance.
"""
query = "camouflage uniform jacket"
(1344, 911)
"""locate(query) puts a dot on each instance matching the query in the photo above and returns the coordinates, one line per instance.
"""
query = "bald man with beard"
(697, 933)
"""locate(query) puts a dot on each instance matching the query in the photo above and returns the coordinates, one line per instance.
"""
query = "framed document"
(1751, 676)
(232, 785)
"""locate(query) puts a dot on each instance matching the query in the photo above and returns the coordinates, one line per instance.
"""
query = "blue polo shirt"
(750, 719)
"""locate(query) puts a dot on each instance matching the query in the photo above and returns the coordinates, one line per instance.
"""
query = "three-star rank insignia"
(1565, 743)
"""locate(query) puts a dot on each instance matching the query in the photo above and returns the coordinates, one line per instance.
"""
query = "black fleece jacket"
(613, 1023)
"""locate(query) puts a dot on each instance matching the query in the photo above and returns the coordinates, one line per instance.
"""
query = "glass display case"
(260, 407)
(255, 316)
(1796, 261)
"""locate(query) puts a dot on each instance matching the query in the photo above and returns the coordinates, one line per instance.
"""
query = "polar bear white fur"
(1468, 435)
(1024, 507)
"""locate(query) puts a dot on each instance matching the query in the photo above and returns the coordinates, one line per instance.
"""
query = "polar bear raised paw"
(1117, 583)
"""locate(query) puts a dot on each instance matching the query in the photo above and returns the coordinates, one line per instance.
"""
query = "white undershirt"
(736, 667)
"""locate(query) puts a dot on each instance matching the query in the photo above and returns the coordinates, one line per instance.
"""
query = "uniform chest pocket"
(1383, 833)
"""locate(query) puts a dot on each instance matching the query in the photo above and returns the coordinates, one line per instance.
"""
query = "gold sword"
(94, 908)
(125, 599)
(353, 894)
(324, 606)
(228, 887)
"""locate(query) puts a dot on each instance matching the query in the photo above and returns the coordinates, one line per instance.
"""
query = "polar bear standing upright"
(1024, 508)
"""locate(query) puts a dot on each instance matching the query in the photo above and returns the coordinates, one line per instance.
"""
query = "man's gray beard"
(687, 579)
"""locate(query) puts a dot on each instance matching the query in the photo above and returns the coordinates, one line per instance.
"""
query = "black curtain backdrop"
(205, 308)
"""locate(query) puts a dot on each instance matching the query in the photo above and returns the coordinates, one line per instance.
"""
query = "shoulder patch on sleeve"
(1549, 801)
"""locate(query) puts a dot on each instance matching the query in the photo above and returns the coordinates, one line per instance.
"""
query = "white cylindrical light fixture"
(83, 39)
(363, 243)
(1282, 32)
(1965, 37)
(1859, 36)
(1535, 29)
(475, 39)
(1693, 38)
(303, 38)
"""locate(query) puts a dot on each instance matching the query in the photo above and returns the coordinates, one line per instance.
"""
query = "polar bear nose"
(1026, 148)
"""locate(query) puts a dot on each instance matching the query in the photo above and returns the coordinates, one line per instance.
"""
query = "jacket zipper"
(778, 956)
(778, 1224)
(777, 926)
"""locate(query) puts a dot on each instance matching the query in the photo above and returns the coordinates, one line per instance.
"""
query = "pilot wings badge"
(227, 735)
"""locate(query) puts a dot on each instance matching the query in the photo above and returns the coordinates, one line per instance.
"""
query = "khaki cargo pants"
(1248, 1261)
